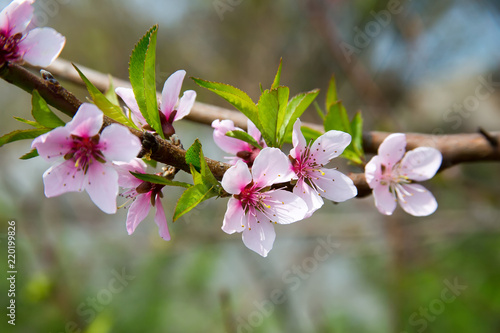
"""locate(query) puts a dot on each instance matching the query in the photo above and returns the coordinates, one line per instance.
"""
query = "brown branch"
(456, 148)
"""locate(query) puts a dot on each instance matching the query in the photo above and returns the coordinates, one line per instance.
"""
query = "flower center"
(9, 47)
(155, 190)
(84, 151)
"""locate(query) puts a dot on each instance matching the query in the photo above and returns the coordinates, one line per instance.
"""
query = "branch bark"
(456, 148)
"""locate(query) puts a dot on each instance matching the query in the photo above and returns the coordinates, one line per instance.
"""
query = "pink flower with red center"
(39, 46)
(144, 196)
(254, 208)
(314, 180)
(392, 175)
(167, 107)
(83, 157)
(243, 150)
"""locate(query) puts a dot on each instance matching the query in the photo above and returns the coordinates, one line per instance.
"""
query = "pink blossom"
(83, 157)
(144, 195)
(169, 99)
(314, 181)
(391, 175)
(243, 151)
(39, 46)
(254, 208)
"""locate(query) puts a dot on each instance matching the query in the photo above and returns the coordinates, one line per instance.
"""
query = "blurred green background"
(378, 274)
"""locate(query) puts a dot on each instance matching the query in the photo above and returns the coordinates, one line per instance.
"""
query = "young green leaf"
(195, 158)
(337, 119)
(309, 133)
(268, 107)
(32, 153)
(331, 94)
(142, 78)
(319, 111)
(357, 133)
(244, 136)
(295, 108)
(108, 108)
(191, 198)
(110, 93)
(29, 122)
(239, 99)
(277, 78)
(22, 135)
(193, 155)
(42, 114)
(155, 179)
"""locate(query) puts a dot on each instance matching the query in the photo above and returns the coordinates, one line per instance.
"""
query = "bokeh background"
(408, 73)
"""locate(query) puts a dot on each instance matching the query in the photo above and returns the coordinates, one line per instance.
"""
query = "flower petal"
(420, 202)
(118, 144)
(53, 144)
(271, 166)
(259, 236)
(309, 195)
(298, 140)
(15, 17)
(161, 220)
(62, 178)
(254, 132)
(138, 211)
(373, 171)
(171, 91)
(328, 146)
(185, 104)
(102, 186)
(392, 149)
(421, 163)
(227, 144)
(87, 121)
(385, 201)
(236, 178)
(125, 178)
(334, 185)
(234, 219)
(285, 207)
(128, 97)
(41, 46)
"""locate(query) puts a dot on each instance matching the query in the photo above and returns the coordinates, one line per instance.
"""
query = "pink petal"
(62, 178)
(41, 46)
(421, 163)
(392, 149)
(53, 144)
(236, 178)
(118, 144)
(298, 140)
(138, 211)
(259, 236)
(125, 178)
(15, 17)
(171, 91)
(271, 166)
(254, 132)
(373, 171)
(420, 202)
(234, 219)
(227, 144)
(161, 220)
(128, 97)
(185, 104)
(285, 207)
(87, 121)
(309, 195)
(334, 185)
(385, 201)
(102, 186)
(328, 146)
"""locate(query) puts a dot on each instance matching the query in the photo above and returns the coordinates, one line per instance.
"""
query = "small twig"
(491, 139)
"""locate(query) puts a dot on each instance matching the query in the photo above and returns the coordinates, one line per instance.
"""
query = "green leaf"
(309, 133)
(319, 111)
(244, 136)
(337, 119)
(32, 153)
(155, 179)
(110, 93)
(108, 108)
(239, 99)
(22, 135)
(351, 156)
(272, 109)
(191, 198)
(195, 158)
(357, 133)
(331, 94)
(277, 78)
(42, 114)
(29, 122)
(142, 78)
(151, 163)
(193, 155)
(296, 107)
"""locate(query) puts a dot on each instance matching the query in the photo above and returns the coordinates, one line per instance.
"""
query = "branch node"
(491, 139)
(149, 145)
(49, 78)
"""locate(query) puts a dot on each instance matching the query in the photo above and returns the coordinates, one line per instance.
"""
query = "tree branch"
(456, 148)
